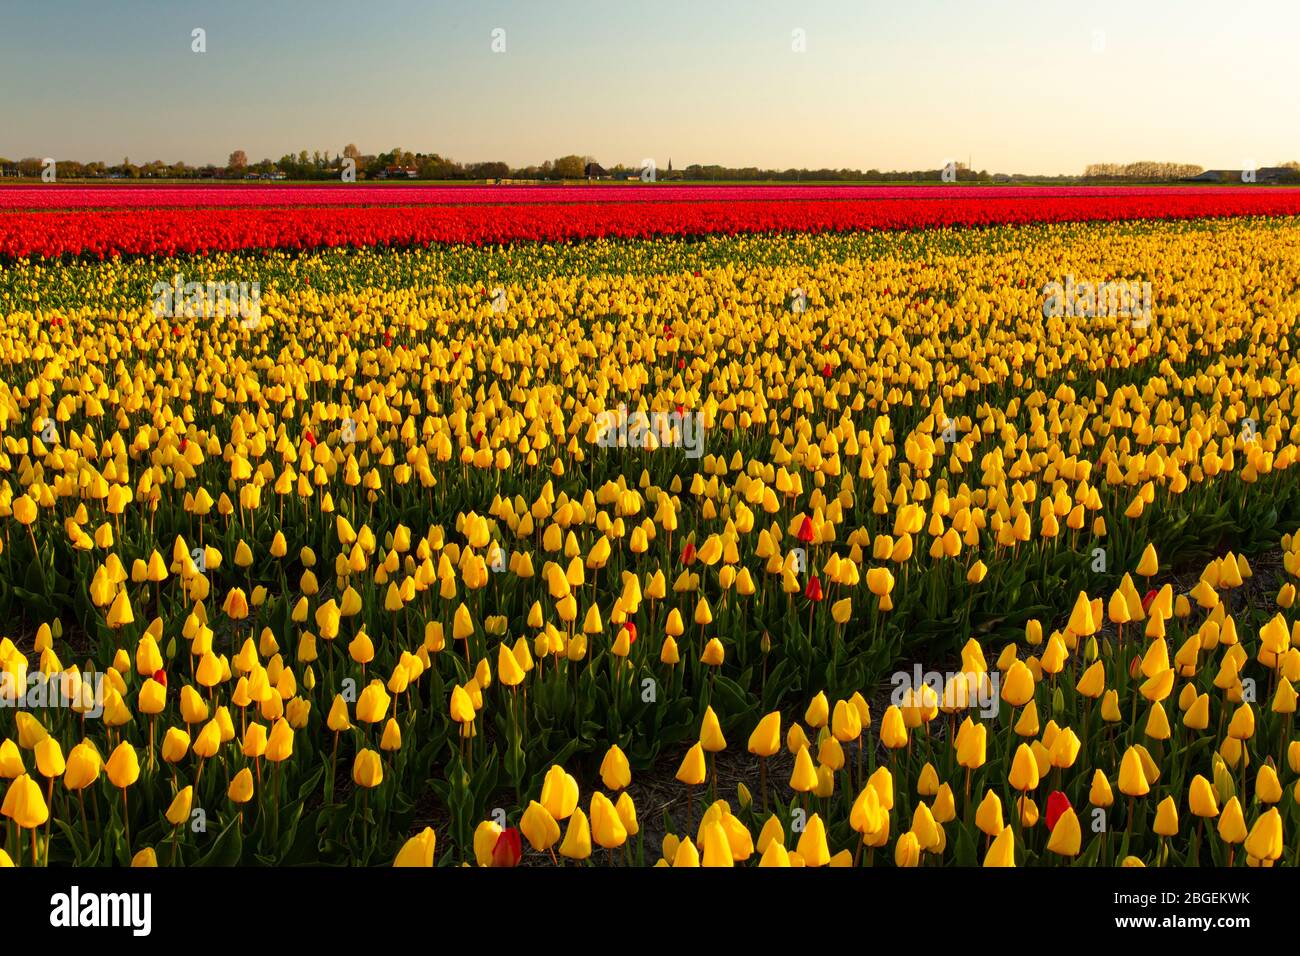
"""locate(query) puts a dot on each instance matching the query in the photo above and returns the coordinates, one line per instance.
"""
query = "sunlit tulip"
(615, 772)
(418, 851)
(539, 827)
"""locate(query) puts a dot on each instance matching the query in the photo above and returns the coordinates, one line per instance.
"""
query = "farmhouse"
(1266, 174)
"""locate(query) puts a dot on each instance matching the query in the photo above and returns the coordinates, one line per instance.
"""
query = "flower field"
(687, 529)
(49, 196)
(154, 221)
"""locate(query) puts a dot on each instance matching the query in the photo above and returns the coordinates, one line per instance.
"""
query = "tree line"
(1145, 170)
(405, 164)
(1159, 172)
(316, 165)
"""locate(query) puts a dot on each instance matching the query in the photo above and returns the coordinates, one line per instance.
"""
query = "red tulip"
(1057, 803)
(1148, 598)
(58, 222)
(508, 848)
(688, 553)
(161, 677)
(826, 370)
(631, 632)
(806, 530)
(814, 590)
(311, 439)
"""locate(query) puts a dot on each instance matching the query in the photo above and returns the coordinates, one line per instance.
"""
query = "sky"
(1031, 86)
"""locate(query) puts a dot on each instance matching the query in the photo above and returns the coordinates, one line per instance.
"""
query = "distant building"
(1265, 174)
(595, 171)
(398, 172)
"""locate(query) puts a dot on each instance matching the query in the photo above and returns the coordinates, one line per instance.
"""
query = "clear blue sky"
(1014, 85)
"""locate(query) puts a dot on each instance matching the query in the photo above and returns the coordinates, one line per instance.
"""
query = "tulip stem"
(275, 805)
(1016, 823)
(49, 800)
(85, 824)
(126, 820)
(334, 758)
(1011, 729)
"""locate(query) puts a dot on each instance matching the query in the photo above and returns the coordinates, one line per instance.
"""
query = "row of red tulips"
(61, 196)
(168, 232)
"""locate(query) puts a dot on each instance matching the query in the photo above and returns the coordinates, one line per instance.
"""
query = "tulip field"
(648, 526)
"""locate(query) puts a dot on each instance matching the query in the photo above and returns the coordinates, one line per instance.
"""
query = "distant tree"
(434, 166)
(238, 160)
(1146, 171)
(489, 171)
(569, 167)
